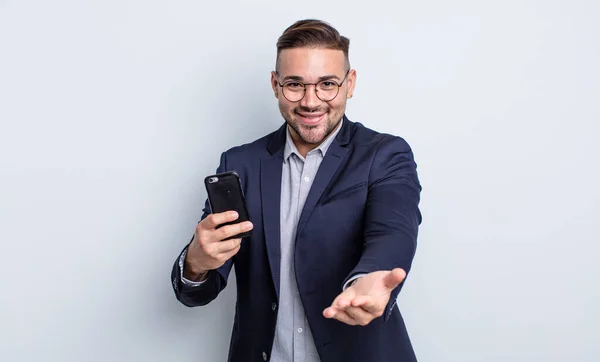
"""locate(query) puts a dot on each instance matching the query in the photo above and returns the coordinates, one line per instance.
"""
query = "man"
(334, 218)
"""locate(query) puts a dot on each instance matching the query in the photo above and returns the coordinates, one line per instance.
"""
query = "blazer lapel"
(270, 189)
(331, 162)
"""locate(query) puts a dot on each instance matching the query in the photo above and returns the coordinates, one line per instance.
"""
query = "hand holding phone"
(225, 194)
(218, 237)
(213, 244)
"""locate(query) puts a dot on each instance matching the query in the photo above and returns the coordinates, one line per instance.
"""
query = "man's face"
(311, 118)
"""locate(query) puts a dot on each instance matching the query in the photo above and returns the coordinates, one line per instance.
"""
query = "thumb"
(394, 278)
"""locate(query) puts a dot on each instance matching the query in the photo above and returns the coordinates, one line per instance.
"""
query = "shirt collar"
(290, 147)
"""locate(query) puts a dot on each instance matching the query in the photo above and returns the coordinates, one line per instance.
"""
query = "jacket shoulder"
(253, 149)
(370, 138)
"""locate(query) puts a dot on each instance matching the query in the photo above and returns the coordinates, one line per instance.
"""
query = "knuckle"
(201, 232)
(207, 220)
(223, 233)
(214, 219)
(217, 234)
(202, 241)
(211, 234)
(211, 252)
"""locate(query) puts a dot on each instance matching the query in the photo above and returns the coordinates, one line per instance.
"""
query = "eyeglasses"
(326, 89)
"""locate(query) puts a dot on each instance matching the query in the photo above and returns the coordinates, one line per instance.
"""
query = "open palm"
(366, 299)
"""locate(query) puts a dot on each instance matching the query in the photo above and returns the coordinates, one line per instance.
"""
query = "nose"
(310, 99)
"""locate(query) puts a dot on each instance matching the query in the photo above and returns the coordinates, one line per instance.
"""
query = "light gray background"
(112, 112)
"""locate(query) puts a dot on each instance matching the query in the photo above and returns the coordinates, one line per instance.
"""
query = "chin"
(313, 136)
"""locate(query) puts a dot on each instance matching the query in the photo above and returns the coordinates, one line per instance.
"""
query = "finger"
(232, 230)
(329, 312)
(361, 316)
(343, 300)
(394, 278)
(226, 246)
(344, 317)
(230, 254)
(370, 304)
(214, 220)
(339, 314)
(366, 302)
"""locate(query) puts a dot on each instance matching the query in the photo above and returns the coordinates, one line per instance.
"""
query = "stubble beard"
(307, 133)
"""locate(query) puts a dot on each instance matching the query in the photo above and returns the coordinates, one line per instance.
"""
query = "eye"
(293, 85)
(327, 85)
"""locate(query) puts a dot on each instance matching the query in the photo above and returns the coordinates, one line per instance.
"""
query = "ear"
(275, 84)
(351, 83)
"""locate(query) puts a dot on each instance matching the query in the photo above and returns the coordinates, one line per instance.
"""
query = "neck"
(303, 147)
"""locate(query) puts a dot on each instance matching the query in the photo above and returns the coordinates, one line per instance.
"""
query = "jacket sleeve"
(216, 280)
(392, 215)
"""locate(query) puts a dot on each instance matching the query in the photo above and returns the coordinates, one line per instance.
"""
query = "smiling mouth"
(311, 118)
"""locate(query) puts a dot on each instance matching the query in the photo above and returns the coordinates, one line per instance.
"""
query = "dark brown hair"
(311, 33)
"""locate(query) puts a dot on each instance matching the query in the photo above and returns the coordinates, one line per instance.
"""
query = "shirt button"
(274, 306)
(264, 356)
(306, 178)
(299, 330)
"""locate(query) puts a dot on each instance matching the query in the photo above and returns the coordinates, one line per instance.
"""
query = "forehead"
(311, 63)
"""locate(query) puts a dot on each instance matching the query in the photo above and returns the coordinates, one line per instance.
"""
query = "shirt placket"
(300, 332)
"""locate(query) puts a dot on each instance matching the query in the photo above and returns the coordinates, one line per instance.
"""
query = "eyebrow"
(300, 79)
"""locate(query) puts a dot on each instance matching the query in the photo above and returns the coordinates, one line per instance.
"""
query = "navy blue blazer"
(361, 215)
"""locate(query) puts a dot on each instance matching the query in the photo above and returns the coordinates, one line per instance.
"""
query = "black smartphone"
(225, 194)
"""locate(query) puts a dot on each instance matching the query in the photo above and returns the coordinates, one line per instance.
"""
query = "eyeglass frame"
(339, 85)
